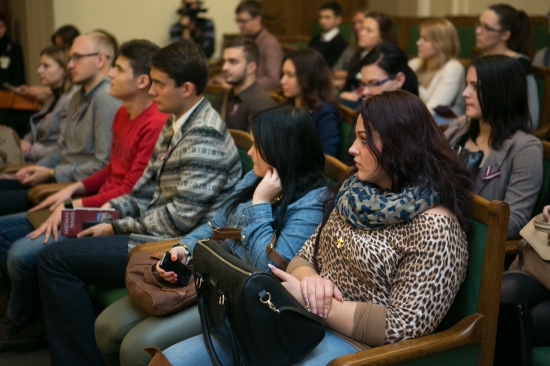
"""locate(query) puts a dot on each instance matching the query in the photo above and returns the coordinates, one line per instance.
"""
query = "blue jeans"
(13, 197)
(193, 352)
(18, 259)
(64, 269)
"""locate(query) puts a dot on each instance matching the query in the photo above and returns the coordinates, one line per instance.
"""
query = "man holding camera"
(193, 28)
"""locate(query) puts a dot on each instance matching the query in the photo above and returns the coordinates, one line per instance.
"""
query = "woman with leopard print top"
(387, 261)
(391, 253)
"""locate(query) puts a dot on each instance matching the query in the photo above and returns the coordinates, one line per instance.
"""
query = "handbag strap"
(206, 330)
(225, 232)
(522, 246)
(279, 260)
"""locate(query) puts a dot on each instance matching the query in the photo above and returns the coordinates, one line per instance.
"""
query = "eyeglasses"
(77, 56)
(242, 21)
(377, 83)
(486, 28)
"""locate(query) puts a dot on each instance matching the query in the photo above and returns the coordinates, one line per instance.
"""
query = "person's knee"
(22, 256)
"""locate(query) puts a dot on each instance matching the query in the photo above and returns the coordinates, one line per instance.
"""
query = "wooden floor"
(39, 357)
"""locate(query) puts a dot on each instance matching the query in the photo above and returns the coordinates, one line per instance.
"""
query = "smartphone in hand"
(180, 269)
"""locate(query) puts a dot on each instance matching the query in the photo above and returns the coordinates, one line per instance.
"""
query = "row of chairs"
(407, 31)
(468, 332)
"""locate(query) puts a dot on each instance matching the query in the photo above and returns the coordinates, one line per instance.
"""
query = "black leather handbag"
(249, 311)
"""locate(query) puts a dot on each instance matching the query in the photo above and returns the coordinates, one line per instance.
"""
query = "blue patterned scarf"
(368, 207)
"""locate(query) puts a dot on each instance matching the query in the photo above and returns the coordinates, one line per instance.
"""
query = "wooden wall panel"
(293, 17)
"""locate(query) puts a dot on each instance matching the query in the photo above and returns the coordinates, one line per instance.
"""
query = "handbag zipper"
(223, 259)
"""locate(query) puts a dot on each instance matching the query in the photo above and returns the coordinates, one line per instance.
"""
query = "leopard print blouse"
(413, 269)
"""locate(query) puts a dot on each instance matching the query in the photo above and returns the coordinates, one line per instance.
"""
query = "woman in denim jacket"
(282, 196)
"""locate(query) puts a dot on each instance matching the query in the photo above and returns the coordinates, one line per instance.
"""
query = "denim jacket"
(256, 222)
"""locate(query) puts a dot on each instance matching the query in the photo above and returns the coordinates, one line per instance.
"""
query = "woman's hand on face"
(269, 187)
(177, 254)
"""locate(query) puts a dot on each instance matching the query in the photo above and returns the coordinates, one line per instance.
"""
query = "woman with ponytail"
(503, 30)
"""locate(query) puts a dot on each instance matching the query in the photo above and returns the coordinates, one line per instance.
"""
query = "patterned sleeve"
(427, 278)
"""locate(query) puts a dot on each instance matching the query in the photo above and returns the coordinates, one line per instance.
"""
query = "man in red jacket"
(135, 129)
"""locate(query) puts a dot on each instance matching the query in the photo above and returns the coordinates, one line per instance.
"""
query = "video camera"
(192, 13)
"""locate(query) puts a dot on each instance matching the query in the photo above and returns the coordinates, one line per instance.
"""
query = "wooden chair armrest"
(39, 192)
(465, 332)
(157, 246)
(12, 168)
(512, 247)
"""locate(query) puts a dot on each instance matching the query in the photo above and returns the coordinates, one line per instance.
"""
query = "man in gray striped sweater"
(192, 171)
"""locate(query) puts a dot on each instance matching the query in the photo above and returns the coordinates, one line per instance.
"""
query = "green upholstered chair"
(466, 336)
(105, 296)
(348, 118)
(211, 90)
(244, 143)
(540, 34)
(542, 77)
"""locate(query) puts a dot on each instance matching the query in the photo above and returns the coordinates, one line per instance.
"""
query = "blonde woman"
(440, 74)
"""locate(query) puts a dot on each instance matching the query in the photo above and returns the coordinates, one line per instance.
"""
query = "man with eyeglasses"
(249, 20)
(84, 147)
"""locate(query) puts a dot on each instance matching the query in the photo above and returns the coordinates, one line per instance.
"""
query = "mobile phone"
(89, 224)
(11, 87)
(180, 269)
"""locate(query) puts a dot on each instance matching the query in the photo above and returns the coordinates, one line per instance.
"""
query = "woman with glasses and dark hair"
(503, 30)
(282, 196)
(385, 68)
(306, 83)
(368, 272)
(542, 57)
(377, 28)
(497, 122)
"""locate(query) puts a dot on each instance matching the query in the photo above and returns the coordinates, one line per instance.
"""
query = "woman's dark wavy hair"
(502, 95)
(414, 151)
(314, 77)
(393, 60)
(286, 139)
(518, 23)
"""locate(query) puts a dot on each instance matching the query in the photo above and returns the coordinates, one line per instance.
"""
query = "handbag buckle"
(221, 300)
(268, 302)
(268, 248)
(198, 282)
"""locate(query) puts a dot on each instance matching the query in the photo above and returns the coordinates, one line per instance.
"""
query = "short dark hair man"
(246, 97)
(192, 171)
(249, 18)
(330, 42)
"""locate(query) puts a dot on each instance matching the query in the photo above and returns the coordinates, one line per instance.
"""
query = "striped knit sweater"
(187, 179)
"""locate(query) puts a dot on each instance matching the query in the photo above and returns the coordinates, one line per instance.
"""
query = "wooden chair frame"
(478, 328)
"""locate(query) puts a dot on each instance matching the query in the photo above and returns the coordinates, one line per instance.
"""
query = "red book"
(73, 219)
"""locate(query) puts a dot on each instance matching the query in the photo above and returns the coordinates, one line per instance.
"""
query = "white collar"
(328, 36)
(176, 125)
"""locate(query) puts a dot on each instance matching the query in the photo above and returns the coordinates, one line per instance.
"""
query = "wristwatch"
(52, 174)
(187, 252)
(68, 203)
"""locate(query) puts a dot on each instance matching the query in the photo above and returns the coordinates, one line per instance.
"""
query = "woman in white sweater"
(440, 74)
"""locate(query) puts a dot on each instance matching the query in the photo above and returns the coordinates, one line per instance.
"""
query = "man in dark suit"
(330, 42)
